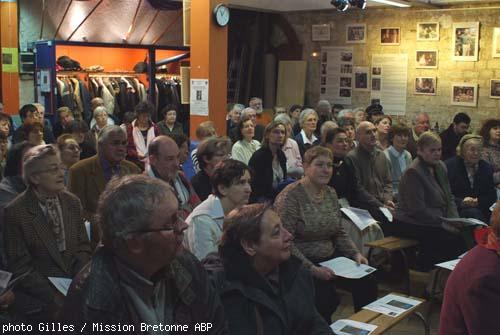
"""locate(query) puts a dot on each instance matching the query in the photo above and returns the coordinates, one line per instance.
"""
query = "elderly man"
(421, 124)
(371, 169)
(141, 277)
(64, 117)
(258, 128)
(262, 117)
(48, 132)
(88, 177)
(324, 110)
(164, 164)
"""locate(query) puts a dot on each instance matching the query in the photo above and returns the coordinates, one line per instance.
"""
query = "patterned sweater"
(317, 228)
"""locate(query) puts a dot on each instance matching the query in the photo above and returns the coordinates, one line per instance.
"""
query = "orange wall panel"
(9, 82)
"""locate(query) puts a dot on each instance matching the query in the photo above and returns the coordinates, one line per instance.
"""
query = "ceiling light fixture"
(361, 4)
(393, 3)
(341, 5)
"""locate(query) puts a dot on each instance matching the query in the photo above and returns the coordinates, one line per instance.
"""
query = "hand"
(322, 273)
(360, 259)
(6, 299)
(390, 205)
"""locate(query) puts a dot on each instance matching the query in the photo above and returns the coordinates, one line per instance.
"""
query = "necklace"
(316, 197)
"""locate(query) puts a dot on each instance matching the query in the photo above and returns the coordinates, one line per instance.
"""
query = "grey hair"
(415, 117)
(283, 118)
(324, 103)
(33, 158)
(305, 114)
(343, 112)
(119, 214)
(328, 125)
(104, 134)
(239, 107)
(246, 111)
(39, 106)
(100, 109)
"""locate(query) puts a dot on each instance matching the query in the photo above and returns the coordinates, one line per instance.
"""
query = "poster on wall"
(355, 33)
(361, 78)
(496, 43)
(389, 81)
(9, 60)
(428, 31)
(199, 97)
(336, 74)
(464, 94)
(425, 86)
(465, 41)
(426, 59)
(320, 32)
(495, 88)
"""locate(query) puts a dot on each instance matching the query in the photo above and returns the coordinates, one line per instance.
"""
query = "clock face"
(221, 15)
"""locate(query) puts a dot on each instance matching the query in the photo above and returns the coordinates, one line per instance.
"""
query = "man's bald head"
(365, 133)
(164, 157)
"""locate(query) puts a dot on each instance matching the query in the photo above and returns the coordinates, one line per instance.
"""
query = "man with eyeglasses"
(141, 277)
(88, 178)
(29, 114)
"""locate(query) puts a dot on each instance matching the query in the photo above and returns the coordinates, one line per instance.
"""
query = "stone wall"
(448, 71)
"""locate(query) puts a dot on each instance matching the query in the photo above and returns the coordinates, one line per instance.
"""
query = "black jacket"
(261, 165)
(303, 147)
(483, 190)
(449, 141)
(95, 296)
(201, 184)
(254, 307)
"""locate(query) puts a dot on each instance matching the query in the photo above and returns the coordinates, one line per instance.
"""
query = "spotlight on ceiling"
(361, 4)
(341, 5)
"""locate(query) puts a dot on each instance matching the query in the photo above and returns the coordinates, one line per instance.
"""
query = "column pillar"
(9, 78)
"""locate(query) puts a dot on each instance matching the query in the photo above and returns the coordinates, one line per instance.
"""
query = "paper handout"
(347, 268)
(392, 305)
(7, 282)
(387, 213)
(449, 265)
(360, 217)
(62, 284)
(464, 222)
(350, 327)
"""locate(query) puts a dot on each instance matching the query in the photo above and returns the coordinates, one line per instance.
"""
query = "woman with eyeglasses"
(70, 153)
(309, 210)
(264, 289)
(268, 164)
(44, 235)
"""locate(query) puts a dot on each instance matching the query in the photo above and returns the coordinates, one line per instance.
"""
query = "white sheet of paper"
(493, 206)
(449, 265)
(4, 278)
(62, 284)
(347, 268)
(360, 217)
(392, 305)
(87, 228)
(465, 222)
(387, 213)
(350, 327)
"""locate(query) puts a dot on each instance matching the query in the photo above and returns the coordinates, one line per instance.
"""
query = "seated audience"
(451, 136)
(234, 117)
(424, 199)
(324, 114)
(29, 114)
(64, 117)
(308, 121)
(250, 113)
(421, 123)
(268, 164)
(69, 150)
(471, 295)
(44, 235)
(245, 147)
(5, 128)
(294, 114)
(204, 130)
(231, 189)
(309, 210)
(210, 152)
(140, 133)
(100, 117)
(141, 275)
(383, 125)
(88, 177)
(48, 131)
(348, 125)
(169, 125)
(291, 150)
(373, 111)
(3, 153)
(490, 131)
(80, 132)
(359, 116)
(260, 272)
(471, 179)
(33, 133)
(399, 159)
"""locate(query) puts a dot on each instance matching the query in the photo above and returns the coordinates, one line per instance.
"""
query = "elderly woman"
(140, 133)
(70, 153)
(80, 131)
(268, 164)
(264, 289)
(245, 147)
(399, 158)
(490, 131)
(383, 124)
(170, 125)
(308, 121)
(101, 121)
(291, 150)
(424, 199)
(309, 209)
(210, 152)
(471, 297)
(44, 235)
(231, 185)
(471, 179)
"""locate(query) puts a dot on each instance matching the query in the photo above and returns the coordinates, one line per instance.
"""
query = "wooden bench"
(393, 244)
(384, 322)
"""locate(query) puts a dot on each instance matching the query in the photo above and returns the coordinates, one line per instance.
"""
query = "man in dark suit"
(451, 136)
(88, 178)
(44, 235)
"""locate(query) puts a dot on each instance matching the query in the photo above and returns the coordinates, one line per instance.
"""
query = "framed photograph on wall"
(465, 41)
(495, 88)
(320, 32)
(355, 33)
(390, 36)
(496, 43)
(464, 94)
(425, 85)
(426, 59)
(428, 31)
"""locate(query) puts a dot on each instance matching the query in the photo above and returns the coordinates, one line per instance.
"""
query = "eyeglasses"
(172, 227)
(53, 170)
(117, 143)
(73, 147)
